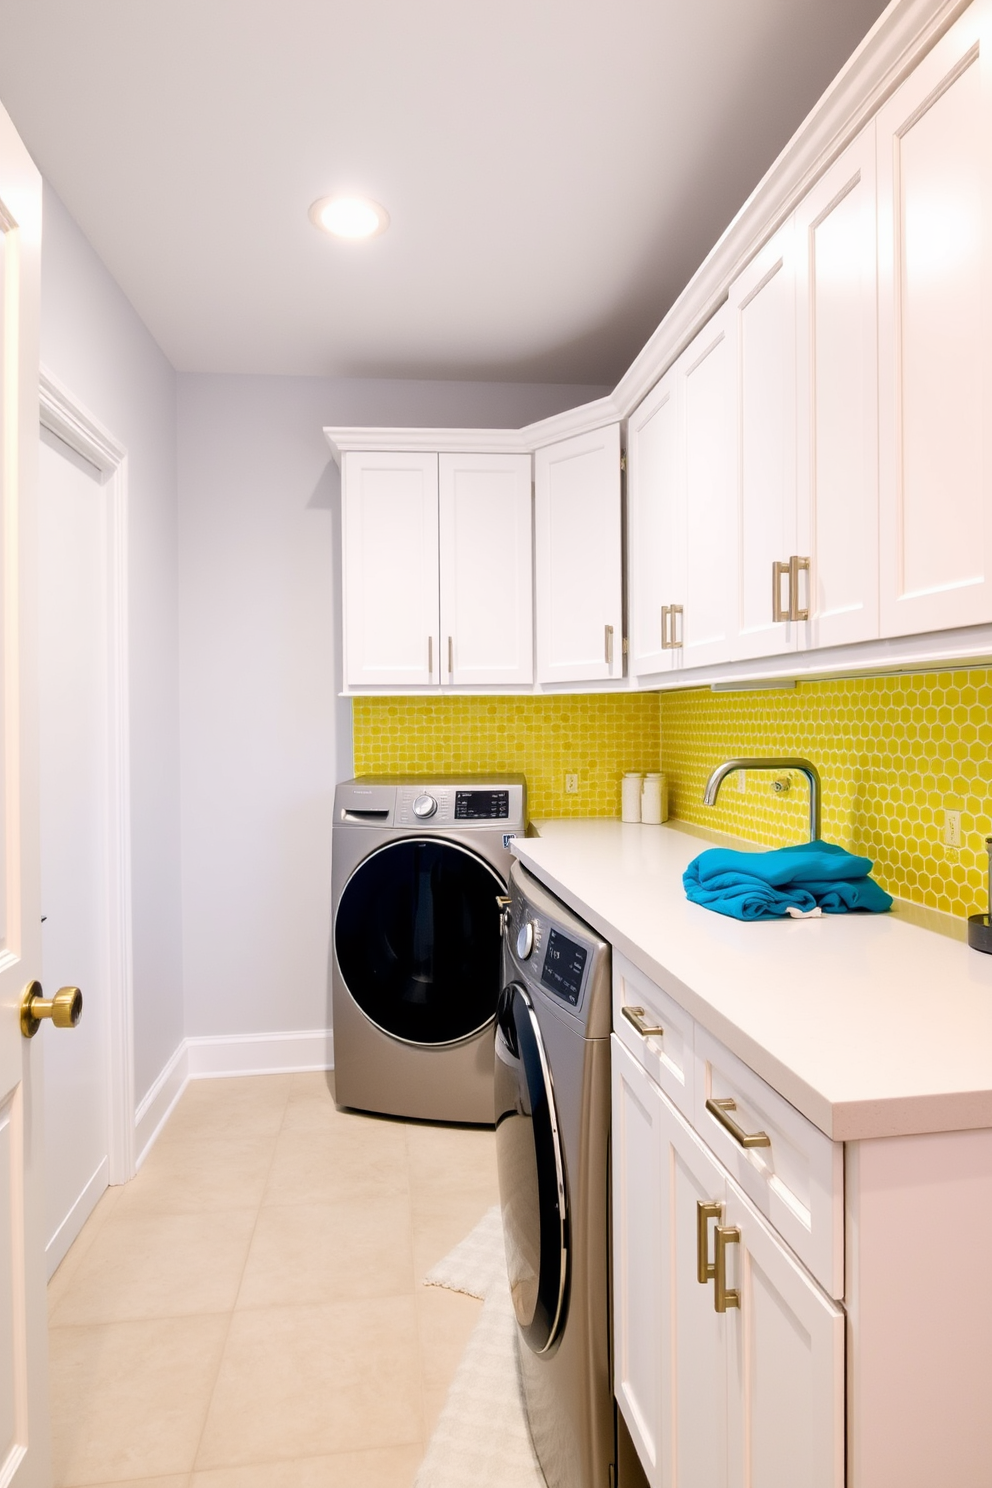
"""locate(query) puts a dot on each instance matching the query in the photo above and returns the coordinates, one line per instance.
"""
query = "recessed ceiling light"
(349, 216)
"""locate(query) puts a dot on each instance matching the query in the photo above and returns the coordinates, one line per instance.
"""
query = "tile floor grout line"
(424, 1434)
(230, 1316)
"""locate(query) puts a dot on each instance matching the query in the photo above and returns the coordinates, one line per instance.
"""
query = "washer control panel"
(424, 806)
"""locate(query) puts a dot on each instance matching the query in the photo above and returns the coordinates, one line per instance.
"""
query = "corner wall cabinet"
(437, 569)
(579, 567)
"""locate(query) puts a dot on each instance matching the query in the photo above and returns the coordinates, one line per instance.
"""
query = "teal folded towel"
(809, 877)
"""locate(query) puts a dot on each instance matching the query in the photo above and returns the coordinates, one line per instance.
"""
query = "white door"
(836, 320)
(73, 649)
(639, 1280)
(578, 561)
(786, 1359)
(762, 305)
(25, 1457)
(706, 382)
(655, 541)
(935, 335)
(487, 582)
(390, 564)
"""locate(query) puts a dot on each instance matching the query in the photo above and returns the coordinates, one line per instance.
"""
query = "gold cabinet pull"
(65, 1009)
(724, 1296)
(451, 657)
(797, 566)
(638, 1017)
(430, 656)
(676, 623)
(666, 611)
(705, 1268)
(721, 1110)
(609, 644)
(780, 611)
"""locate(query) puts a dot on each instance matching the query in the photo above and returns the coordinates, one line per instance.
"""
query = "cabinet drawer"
(795, 1178)
(666, 1055)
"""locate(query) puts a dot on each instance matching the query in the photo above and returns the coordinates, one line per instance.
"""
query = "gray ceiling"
(554, 169)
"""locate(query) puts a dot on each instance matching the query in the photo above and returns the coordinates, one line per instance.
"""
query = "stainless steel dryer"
(416, 869)
(552, 1148)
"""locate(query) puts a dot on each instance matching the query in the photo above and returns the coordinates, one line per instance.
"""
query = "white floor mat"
(481, 1439)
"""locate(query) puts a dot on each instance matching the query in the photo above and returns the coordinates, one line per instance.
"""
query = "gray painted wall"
(264, 735)
(94, 343)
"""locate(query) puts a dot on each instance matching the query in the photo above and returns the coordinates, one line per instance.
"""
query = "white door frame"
(64, 417)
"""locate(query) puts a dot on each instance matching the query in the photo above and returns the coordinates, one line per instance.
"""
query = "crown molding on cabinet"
(585, 419)
(897, 41)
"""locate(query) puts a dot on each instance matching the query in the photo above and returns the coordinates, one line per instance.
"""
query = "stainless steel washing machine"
(417, 867)
(552, 1147)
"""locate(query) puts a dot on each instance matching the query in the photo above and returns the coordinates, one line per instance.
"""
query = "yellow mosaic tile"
(893, 752)
(596, 736)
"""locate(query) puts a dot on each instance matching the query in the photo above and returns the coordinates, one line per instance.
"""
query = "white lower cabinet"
(728, 1358)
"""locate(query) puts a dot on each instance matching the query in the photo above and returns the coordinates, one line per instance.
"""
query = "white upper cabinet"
(486, 572)
(389, 505)
(578, 558)
(763, 336)
(655, 530)
(935, 335)
(837, 366)
(438, 580)
(707, 448)
(681, 511)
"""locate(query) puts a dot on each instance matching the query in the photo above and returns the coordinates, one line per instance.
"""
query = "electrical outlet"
(571, 785)
(952, 829)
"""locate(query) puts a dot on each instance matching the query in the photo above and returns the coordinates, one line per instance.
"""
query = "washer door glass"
(531, 1172)
(417, 940)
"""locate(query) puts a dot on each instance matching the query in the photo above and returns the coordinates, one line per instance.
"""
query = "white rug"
(481, 1439)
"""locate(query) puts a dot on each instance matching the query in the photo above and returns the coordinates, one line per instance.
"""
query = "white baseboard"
(58, 1246)
(260, 1053)
(156, 1107)
(226, 1055)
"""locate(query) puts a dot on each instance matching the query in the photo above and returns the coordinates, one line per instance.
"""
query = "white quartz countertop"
(870, 1026)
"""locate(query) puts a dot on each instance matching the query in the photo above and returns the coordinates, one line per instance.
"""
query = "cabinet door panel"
(707, 415)
(655, 540)
(389, 506)
(639, 1190)
(837, 306)
(935, 336)
(695, 1361)
(486, 577)
(763, 327)
(578, 558)
(786, 1360)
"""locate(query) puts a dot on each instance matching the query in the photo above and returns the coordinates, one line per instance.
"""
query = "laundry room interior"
(497, 744)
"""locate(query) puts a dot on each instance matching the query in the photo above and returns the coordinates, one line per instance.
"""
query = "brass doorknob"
(65, 1009)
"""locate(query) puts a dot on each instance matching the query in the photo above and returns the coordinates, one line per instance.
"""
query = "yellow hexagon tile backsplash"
(596, 736)
(894, 754)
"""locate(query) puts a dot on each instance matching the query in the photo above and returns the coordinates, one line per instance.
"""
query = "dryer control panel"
(434, 803)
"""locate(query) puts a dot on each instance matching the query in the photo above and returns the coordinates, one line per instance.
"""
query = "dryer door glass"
(531, 1172)
(417, 940)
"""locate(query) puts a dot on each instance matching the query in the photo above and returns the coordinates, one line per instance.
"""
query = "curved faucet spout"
(804, 766)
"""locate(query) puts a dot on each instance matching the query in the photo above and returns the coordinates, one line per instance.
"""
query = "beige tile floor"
(248, 1312)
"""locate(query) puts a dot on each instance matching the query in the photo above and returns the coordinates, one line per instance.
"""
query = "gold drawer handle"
(724, 1296)
(705, 1268)
(721, 1110)
(638, 1017)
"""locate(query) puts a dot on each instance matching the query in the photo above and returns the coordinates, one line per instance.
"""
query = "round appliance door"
(531, 1172)
(417, 940)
